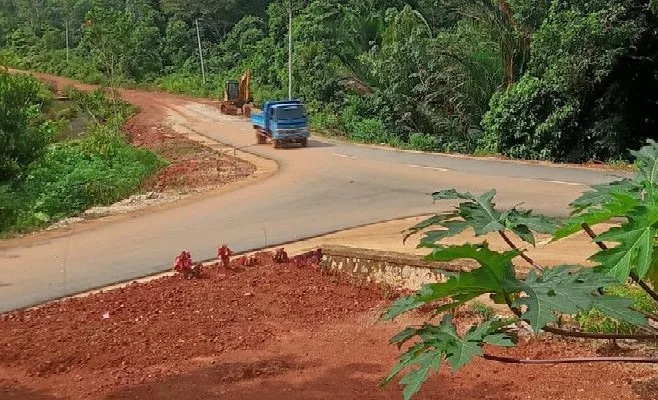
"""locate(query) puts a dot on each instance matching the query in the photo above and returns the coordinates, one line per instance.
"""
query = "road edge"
(265, 168)
(206, 263)
(602, 168)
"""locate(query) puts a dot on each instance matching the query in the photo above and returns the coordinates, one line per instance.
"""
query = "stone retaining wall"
(391, 268)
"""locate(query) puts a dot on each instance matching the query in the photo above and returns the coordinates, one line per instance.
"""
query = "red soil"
(274, 331)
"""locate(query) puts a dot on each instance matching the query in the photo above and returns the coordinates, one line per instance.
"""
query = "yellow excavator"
(237, 96)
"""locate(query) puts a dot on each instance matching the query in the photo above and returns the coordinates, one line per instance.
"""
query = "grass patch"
(596, 322)
(482, 310)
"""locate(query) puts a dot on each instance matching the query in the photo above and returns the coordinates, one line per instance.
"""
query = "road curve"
(322, 188)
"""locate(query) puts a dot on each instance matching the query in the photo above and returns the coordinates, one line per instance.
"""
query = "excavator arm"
(245, 88)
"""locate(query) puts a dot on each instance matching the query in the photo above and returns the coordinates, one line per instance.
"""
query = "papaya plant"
(543, 295)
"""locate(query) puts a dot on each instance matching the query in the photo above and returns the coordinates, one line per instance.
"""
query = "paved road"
(322, 188)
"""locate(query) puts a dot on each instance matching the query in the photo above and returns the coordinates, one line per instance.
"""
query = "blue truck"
(282, 122)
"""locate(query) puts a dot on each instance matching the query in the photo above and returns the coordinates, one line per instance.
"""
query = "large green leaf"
(537, 223)
(495, 275)
(647, 160)
(427, 362)
(634, 252)
(481, 214)
(451, 194)
(563, 290)
(498, 265)
(453, 228)
(601, 194)
(635, 240)
(619, 308)
(523, 223)
(439, 342)
(617, 204)
(460, 352)
(437, 219)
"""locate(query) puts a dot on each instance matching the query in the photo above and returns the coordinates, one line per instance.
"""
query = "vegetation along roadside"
(528, 79)
(60, 156)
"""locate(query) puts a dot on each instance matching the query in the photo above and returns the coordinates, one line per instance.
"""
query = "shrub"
(324, 121)
(24, 134)
(369, 130)
(99, 169)
(182, 84)
(68, 177)
(423, 142)
(529, 121)
(484, 311)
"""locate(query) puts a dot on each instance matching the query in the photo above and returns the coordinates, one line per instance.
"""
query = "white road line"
(567, 183)
(427, 167)
(342, 155)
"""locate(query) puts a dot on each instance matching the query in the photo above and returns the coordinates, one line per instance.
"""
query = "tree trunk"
(524, 45)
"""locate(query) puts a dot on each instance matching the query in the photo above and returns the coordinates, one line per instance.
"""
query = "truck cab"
(282, 122)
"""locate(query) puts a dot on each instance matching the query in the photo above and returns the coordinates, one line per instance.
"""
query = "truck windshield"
(293, 112)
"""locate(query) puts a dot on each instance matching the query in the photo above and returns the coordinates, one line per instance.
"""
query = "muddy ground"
(275, 331)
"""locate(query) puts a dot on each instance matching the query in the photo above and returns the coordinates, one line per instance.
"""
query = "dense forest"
(567, 80)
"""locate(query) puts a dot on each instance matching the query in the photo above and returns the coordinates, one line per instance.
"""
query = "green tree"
(178, 45)
(121, 44)
(563, 108)
(24, 134)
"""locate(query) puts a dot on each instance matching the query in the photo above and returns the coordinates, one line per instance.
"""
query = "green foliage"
(122, 45)
(636, 201)
(570, 104)
(484, 311)
(528, 79)
(540, 298)
(440, 343)
(517, 124)
(71, 176)
(596, 322)
(324, 121)
(480, 214)
(563, 290)
(368, 131)
(24, 134)
(423, 142)
(97, 170)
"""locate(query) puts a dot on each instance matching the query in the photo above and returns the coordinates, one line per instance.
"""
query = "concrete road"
(322, 188)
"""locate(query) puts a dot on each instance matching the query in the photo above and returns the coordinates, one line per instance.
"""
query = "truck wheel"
(260, 139)
(304, 142)
(276, 143)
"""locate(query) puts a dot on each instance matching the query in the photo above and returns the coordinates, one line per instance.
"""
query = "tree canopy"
(542, 79)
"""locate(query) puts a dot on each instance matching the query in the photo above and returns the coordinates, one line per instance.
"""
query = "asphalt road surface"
(322, 188)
